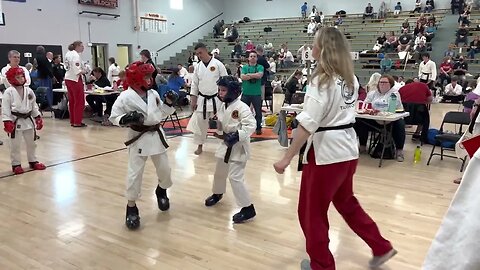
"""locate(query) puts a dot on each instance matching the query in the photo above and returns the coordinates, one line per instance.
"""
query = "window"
(176, 4)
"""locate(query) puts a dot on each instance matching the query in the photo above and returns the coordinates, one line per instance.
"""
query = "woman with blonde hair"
(372, 84)
(331, 154)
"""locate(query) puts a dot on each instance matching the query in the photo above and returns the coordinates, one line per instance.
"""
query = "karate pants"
(136, 166)
(16, 146)
(200, 137)
(321, 185)
(235, 171)
(76, 100)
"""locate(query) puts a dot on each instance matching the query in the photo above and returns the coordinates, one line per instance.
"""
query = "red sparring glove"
(39, 122)
(8, 126)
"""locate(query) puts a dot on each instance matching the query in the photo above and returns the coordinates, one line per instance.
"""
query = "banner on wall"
(153, 23)
(100, 3)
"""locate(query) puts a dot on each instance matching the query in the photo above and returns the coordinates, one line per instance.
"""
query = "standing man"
(252, 87)
(45, 73)
(266, 66)
(14, 61)
(427, 71)
(204, 93)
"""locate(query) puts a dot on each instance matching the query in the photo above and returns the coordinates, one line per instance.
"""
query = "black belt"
(207, 97)
(227, 154)
(320, 129)
(23, 116)
(144, 129)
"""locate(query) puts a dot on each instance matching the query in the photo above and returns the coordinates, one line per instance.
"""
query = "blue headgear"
(234, 88)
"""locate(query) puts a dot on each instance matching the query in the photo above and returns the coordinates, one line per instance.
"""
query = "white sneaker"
(305, 265)
(377, 261)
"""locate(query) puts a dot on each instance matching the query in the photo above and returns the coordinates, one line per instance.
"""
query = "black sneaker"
(162, 199)
(132, 219)
(245, 214)
(214, 199)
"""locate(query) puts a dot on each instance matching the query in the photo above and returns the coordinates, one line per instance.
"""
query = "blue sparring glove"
(170, 97)
(230, 139)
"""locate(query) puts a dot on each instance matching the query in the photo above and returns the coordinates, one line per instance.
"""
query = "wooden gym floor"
(71, 216)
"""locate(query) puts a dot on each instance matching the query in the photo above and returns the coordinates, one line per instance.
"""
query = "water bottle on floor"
(417, 157)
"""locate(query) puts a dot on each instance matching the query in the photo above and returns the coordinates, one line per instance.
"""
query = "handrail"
(191, 31)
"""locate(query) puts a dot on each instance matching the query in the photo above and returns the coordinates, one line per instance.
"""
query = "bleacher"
(362, 36)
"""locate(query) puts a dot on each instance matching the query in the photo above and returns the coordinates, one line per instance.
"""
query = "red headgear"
(136, 73)
(14, 72)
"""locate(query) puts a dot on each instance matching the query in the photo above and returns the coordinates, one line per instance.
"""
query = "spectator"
(233, 34)
(391, 43)
(397, 9)
(237, 51)
(215, 50)
(382, 11)
(419, 28)
(462, 35)
(430, 31)
(249, 46)
(45, 73)
(386, 64)
(418, 6)
(419, 39)
(268, 47)
(311, 28)
(404, 42)
(450, 52)
(175, 83)
(429, 6)
(446, 70)
(460, 67)
(147, 58)
(368, 12)
(113, 71)
(405, 26)
(453, 92)
(289, 59)
(182, 71)
(261, 60)
(474, 47)
(292, 86)
(372, 84)
(338, 21)
(251, 76)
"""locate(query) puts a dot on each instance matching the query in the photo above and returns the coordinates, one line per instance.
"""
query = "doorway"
(99, 56)
(124, 55)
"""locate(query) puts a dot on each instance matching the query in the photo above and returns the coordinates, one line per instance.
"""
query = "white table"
(385, 134)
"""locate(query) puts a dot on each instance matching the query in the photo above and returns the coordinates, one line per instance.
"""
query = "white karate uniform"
(24, 127)
(236, 117)
(113, 72)
(149, 144)
(205, 83)
(4, 80)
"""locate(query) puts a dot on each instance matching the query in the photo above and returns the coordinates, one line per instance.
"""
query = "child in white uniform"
(234, 126)
(141, 109)
(20, 116)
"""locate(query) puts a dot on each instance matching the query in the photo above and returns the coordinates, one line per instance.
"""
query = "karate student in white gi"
(235, 124)
(20, 117)
(204, 100)
(142, 110)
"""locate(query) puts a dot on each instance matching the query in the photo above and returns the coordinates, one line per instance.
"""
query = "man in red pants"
(331, 155)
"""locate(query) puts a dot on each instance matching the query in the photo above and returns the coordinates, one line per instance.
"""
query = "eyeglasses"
(384, 82)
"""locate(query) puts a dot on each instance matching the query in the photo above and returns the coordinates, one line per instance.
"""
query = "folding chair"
(173, 118)
(457, 118)
(41, 96)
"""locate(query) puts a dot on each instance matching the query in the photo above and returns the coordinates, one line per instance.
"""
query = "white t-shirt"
(330, 106)
(3, 77)
(182, 72)
(380, 101)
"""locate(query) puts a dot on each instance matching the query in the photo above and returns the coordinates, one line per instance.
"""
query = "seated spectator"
(368, 12)
(273, 66)
(464, 17)
(249, 46)
(404, 42)
(414, 95)
(379, 101)
(422, 19)
(182, 70)
(215, 50)
(372, 84)
(217, 28)
(462, 35)
(189, 78)
(419, 28)
(268, 47)
(429, 6)
(460, 68)
(420, 49)
(381, 39)
(292, 86)
(446, 70)
(430, 31)
(121, 82)
(386, 64)
(397, 9)
(391, 43)
(237, 51)
(474, 47)
(450, 52)
(405, 26)
(453, 92)
(338, 21)
(419, 39)
(233, 34)
(418, 6)
(471, 97)
(175, 83)
(289, 59)
(99, 79)
(276, 84)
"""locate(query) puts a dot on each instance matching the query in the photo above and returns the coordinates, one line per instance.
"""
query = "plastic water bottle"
(417, 157)
(392, 103)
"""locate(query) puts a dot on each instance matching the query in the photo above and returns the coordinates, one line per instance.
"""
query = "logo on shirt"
(30, 96)
(235, 114)
(347, 93)
(212, 69)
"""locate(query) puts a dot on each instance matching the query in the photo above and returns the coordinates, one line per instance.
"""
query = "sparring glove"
(132, 117)
(171, 97)
(9, 127)
(231, 138)
(39, 122)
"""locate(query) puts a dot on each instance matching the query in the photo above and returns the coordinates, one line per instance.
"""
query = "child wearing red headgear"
(141, 109)
(20, 117)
